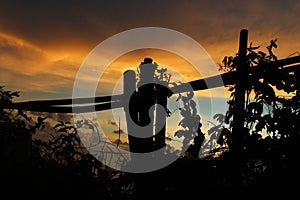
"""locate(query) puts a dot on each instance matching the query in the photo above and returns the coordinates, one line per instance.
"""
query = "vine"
(266, 112)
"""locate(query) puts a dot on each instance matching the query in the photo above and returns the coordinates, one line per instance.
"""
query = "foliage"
(266, 112)
(271, 131)
(190, 123)
(16, 131)
(58, 165)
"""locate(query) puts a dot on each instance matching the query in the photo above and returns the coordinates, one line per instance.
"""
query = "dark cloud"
(51, 23)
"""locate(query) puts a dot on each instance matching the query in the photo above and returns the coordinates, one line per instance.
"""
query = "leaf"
(190, 95)
(229, 114)
(169, 113)
(259, 126)
(192, 103)
(220, 140)
(184, 99)
(15, 94)
(58, 125)
(179, 97)
(255, 109)
(72, 127)
(213, 130)
(41, 119)
(185, 113)
(179, 133)
(226, 132)
(219, 117)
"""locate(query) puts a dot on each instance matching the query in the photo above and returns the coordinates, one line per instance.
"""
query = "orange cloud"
(20, 56)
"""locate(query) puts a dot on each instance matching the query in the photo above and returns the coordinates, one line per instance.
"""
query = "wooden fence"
(140, 102)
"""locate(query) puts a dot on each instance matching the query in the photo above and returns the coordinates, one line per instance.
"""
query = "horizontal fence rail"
(65, 105)
(102, 103)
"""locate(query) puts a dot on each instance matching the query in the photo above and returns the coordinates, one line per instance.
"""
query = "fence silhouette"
(147, 97)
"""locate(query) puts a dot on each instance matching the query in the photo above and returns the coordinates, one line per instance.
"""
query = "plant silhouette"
(61, 166)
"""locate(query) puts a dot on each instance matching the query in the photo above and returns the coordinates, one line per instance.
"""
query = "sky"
(44, 43)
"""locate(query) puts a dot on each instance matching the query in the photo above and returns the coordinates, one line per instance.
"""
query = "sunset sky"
(43, 43)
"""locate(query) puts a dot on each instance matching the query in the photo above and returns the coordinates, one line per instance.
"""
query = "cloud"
(43, 43)
(26, 68)
(38, 86)
(19, 55)
(57, 24)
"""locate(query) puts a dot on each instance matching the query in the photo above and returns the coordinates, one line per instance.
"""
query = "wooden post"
(239, 114)
(145, 103)
(141, 99)
(131, 114)
(160, 122)
(240, 89)
(140, 111)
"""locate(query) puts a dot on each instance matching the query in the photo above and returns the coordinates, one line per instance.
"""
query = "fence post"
(140, 111)
(162, 100)
(145, 102)
(137, 114)
(240, 89)
(131, 114)
(239, 113)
